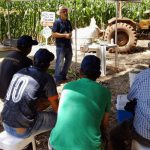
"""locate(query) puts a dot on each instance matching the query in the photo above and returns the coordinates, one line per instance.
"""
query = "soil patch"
(116, 80)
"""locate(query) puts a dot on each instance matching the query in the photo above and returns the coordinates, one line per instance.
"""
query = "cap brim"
(34, 42)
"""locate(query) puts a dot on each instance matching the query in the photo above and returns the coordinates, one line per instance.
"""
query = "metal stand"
(8, 20)
(75, 40)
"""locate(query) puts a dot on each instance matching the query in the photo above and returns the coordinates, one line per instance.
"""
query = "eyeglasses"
(64, 11)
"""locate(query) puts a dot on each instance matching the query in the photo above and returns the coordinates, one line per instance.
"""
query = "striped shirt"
(140, 90)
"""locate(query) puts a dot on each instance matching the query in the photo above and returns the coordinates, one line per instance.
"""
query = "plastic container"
(132, 77)
(122, 114)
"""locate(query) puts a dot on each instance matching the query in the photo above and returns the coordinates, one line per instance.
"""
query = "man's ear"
(80, 73)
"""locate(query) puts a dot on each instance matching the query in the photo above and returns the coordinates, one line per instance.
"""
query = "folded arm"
(45, 103)
(55, 104)
(60, 35)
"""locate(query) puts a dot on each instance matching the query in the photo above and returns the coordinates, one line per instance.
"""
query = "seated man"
(20, 115)
(14, 62)
(83, 111)
(137, 128)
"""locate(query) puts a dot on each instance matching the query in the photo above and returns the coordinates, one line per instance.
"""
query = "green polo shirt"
(81, 110)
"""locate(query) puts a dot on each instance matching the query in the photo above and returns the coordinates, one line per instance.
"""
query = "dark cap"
(43, 57)
(26, 41)
(91, 63)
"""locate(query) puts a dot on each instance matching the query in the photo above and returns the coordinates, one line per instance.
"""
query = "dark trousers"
(125, 131)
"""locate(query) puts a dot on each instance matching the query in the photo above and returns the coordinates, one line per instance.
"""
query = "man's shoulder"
(17, 55)
(11, 59)
(144, 73)
(68, 20)
(94, 84)
(48, 76)
(71, 84)
(101, 87)
(58, 20)
(37, 74)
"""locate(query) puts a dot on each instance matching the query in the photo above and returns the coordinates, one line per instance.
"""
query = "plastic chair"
(138, 146)
(9, 142)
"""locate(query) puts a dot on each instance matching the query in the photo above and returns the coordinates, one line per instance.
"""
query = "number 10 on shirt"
(16, 88)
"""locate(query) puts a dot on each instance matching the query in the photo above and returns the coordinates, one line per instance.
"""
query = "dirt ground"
(117, 81)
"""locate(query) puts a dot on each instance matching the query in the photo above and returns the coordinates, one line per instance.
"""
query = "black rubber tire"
(126, 40)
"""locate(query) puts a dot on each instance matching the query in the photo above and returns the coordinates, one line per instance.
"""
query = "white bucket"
(121, 102)
(132, 77)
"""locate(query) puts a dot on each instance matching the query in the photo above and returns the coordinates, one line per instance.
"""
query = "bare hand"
(68, 35)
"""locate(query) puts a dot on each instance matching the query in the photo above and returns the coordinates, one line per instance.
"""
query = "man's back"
(10, 65)
(25, 90)
(140, 90)
(81, 109)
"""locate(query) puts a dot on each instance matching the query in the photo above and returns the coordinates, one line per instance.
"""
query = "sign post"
(46, 32)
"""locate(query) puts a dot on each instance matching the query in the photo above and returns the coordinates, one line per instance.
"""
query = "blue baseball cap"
(26, 41)
(43, 57)
(91, 63)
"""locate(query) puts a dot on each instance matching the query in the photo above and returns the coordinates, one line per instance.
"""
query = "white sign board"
(47, 18)
(46, 32)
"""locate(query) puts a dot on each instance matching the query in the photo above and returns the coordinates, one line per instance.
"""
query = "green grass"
(50, 71)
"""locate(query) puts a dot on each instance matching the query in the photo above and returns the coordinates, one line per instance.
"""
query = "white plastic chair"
(138, 146)
(9, 142)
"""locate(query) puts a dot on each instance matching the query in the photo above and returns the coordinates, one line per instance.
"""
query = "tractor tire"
(126, 37)
(107, 32)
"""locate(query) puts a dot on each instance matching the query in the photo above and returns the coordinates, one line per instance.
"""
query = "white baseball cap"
(62, 7)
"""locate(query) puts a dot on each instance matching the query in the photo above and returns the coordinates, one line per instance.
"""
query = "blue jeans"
(61, 54)
(44, 121)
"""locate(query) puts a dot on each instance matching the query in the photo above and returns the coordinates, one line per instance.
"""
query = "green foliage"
(25, 16)
(74, 75)
(50, 71)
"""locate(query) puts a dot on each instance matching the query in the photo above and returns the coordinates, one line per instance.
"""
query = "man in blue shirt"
(23, 114)
(15, 61)
(62, 30)
(138, 128)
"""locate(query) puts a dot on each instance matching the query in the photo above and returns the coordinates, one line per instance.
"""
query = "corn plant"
(25, 16)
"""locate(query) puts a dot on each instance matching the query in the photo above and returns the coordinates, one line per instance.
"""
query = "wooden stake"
(120, 10)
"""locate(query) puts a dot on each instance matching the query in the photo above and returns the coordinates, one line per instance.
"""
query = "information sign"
(47, 18)
(46, 32)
